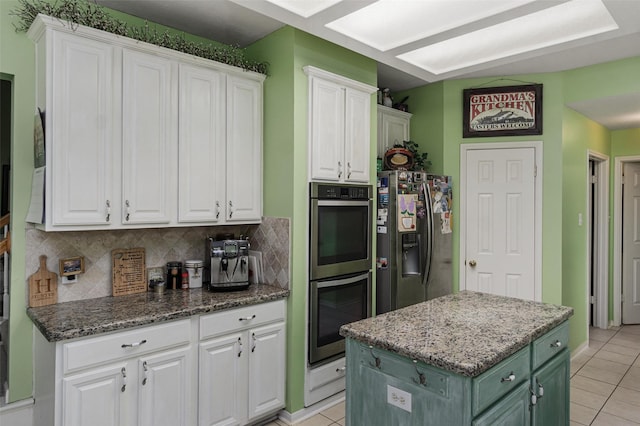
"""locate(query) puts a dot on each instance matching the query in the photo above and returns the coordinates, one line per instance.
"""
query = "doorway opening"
(598, 231)
(6, 111)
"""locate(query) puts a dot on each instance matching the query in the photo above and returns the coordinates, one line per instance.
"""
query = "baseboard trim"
(579, 350)
(312, 410)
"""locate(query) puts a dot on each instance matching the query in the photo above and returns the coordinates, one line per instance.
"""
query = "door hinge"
(594, 179)
(535, 170)
(593, 300)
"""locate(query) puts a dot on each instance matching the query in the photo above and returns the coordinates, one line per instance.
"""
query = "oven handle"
(342, 281)
(341, 203)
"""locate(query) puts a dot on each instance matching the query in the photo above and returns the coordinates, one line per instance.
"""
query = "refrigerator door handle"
(429, 251)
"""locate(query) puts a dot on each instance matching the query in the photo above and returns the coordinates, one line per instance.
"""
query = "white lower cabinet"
(242, 364)
(226, 368)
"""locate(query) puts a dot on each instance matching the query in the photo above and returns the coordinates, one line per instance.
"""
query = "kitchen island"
(463, 359)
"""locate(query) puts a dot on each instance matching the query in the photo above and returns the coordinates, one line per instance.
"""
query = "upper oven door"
(340, 237)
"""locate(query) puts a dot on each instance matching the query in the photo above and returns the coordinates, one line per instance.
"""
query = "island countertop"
(465, 333)
(89, 317)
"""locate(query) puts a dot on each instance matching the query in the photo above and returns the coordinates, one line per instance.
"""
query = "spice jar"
(194, 268)
(174, 273)
(185, 280)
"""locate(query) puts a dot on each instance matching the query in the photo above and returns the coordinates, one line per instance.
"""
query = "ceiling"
(416, 42)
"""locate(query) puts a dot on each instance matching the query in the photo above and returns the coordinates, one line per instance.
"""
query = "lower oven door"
(333, 303)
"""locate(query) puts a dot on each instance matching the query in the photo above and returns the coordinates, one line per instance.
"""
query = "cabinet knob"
(556, 344)
(472, 263)
(510, 378)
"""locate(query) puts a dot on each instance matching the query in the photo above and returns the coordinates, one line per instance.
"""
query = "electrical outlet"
(399, 398)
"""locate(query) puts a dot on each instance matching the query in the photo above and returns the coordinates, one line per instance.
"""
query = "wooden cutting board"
(43, 286)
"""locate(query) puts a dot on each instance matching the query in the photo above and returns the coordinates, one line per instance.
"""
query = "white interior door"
(631, 244)
(500, 222)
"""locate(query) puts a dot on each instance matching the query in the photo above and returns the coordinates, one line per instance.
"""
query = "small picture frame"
(71, 266)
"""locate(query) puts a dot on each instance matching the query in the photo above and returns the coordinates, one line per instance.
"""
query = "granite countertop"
(465, 333)
(89, 317)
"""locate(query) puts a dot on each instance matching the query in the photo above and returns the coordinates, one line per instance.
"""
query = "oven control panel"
(340, 192)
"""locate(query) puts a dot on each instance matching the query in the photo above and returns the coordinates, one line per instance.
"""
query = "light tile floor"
(605, 379)
(605, 383)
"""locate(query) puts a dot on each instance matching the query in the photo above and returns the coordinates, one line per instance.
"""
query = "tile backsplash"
(271, 237)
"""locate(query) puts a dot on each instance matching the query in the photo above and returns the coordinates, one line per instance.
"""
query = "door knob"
(472, 263)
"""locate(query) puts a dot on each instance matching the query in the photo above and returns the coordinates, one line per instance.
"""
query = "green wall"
(579, 135)
(286, 158)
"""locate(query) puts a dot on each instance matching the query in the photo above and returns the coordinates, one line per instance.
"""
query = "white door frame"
(601, 251)
(537, 146)
(617, 236)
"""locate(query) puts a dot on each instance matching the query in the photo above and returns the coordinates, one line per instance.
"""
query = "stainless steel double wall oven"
(340, 264)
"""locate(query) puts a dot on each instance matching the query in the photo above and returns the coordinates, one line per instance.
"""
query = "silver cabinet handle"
(556, 344)
(124, 379)
(230, 209)
(145, 369)
(339, 169)
(108, 211)
(341, 369)
(133, 345)
(509, 378)
(253, 340)
(239, 347)
(128, 211)
(247, 318)
(348, 170)
(217, 209)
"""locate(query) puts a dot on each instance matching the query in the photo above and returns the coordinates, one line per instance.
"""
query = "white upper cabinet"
(139, 135)
(201, 143)
(244, 150)
(393, 128)
(78, 104)
(148, 143)
(327, 130)
(339, 127)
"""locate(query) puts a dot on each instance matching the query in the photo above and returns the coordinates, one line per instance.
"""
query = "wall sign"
(502, 111)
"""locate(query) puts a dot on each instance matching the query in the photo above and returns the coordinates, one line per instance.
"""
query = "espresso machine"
(229, 265)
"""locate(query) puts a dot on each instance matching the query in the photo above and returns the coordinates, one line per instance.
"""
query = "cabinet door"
(148, 144)
(244, 150)
(266, 369)
(552, 381)
(201, 145)
(357, 136)
(512, 410)
(223, 380)
(327, 130)
(98, 397)
(82, 96)
(393, 130)
(164, 389)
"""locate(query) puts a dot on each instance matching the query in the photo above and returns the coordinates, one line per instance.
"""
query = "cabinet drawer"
(407, 371)
(233, 320)
(547, 346)
(500, 379)
(97, 350)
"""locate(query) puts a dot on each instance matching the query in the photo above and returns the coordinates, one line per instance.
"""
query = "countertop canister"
(194, 268)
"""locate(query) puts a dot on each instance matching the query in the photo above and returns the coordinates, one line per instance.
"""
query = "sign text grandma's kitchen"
(503, 111)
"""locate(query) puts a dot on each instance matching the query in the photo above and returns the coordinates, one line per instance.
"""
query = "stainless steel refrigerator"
(414, 238)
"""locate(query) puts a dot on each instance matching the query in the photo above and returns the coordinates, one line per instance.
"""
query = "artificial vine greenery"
(82, 12)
